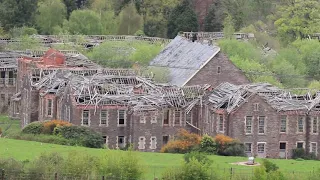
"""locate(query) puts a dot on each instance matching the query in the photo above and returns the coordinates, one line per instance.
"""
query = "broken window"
(248, 124)
(153, 142)
(300, 124)
(85, 117)
(248, 147)
(177, 117)
(221, 123)
(105, 139)
(261, 147)
(121, 141)
(3, 97)
(261, 124)
(121, 117)
(165, 139)
(315, 125)
(313, 147)
(283, 124)
(9, 99)
(104, 117)
(300, 145)
(189, 117)
(142, 142)
(166, 116)
(49, 107)
(11, 80)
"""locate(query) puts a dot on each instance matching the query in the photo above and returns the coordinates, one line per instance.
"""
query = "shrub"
(42, 138)
(33, 128)
(276, 175)
(298, 153)
(184, 142)
(207, 145)
(202, 158)
(12, 168)
(269, 166)
(0, 131)
(48, 126)
(234, 149)
(80, 136)
(260, 174)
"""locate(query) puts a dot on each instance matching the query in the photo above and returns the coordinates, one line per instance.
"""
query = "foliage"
(228, 147)
(213, 20)
(80, 135)
(33, 128)
(0, 131)
(315, 175)
(121, 166)
(160, 74)
(201, 157)
(183, 143)
(259, 174)
(49, 126)
(84, 22)
(51, 13)
(130, 21)
(208, 145)
(26, 42)
(298, 153)
(22, 31)
(41, 138)
(182, 18)
(11, 165)
(228, 27)
(269, 166)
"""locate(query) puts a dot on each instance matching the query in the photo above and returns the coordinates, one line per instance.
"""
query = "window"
(105, 139)
(166, 115)
(85, 117)
(142, 142)
(261, 124)
(256, 107)
(142, 118)
(189, 118)
(315, 125)
(300, 145)
(248, 124)
(219, 69)
(121, 117)
(283, 124)
(3, 97)
(165, 139)
(261, 147)
(9, 98)
(300, 124)
(153, 142)
(221, 123)
(177, 117)
(313, 147)
(248, 147)
(121, 141)
(49, 107)
(104, 117)
(154, 119)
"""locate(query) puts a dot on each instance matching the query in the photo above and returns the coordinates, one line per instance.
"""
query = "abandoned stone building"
(192, 63)
(271, 122)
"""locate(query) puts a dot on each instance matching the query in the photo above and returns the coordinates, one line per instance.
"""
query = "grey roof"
(9, 59)
(184, 59)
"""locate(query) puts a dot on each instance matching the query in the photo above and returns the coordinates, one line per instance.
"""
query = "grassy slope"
(155, 163)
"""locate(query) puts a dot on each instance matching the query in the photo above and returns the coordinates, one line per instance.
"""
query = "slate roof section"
(184, 59)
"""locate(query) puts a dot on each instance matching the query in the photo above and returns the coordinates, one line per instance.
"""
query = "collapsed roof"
(231, 97)
(184, 59)
(105, 89)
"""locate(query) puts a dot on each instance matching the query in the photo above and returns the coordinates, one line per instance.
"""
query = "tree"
(130, 20)
(71, 5)
(85, 22)
(297, 19)
(213, 20)
(51, 13)
(228, 27)
(17, 13)
(182, 18)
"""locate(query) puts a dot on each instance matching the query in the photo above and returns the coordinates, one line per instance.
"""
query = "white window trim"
(124, 141)
(143, 118)
(82, 117)
(286, 124)
(245, 125)
(265, 147)
(251, 147)
(155, 147)
(107, 118)
(154, 119)
(265, 125)
(317, 126)
(125, 118)
(218, 123)
(304, 125)
(310, 148)
(142, 144)
(304, 144)
(47, 107)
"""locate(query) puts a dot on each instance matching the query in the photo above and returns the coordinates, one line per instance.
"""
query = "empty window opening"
(261, 124)
(166, 115)
(3, 74)
(300, 145)
(165, 139)
(153, 142)
(248, 124)
(248, 147)
(189, 117)
(142, 142)
(283, 124)
(49, 107)
(283, 146)
(85, 117)
(121, 141)
(219, 69)
(121, 117)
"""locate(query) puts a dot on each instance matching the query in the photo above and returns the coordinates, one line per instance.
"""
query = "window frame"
(286, 122)
(256, 107)
(106, 118)
(155, 142)
(316, 148)
(124, 118)
(303, 124)
(264, 146)
(221, 125)
(246, 125)
(47, 107)
(82, 117)
(166, 117)
(245, 147)
(315, 119)
(303, 144)
(177, 111)
(142, 143)
(264, 125)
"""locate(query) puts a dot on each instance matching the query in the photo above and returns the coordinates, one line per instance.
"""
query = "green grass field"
(155, 163)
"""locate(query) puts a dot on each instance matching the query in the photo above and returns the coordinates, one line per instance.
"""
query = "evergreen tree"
(212, 22)
(182, 18)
